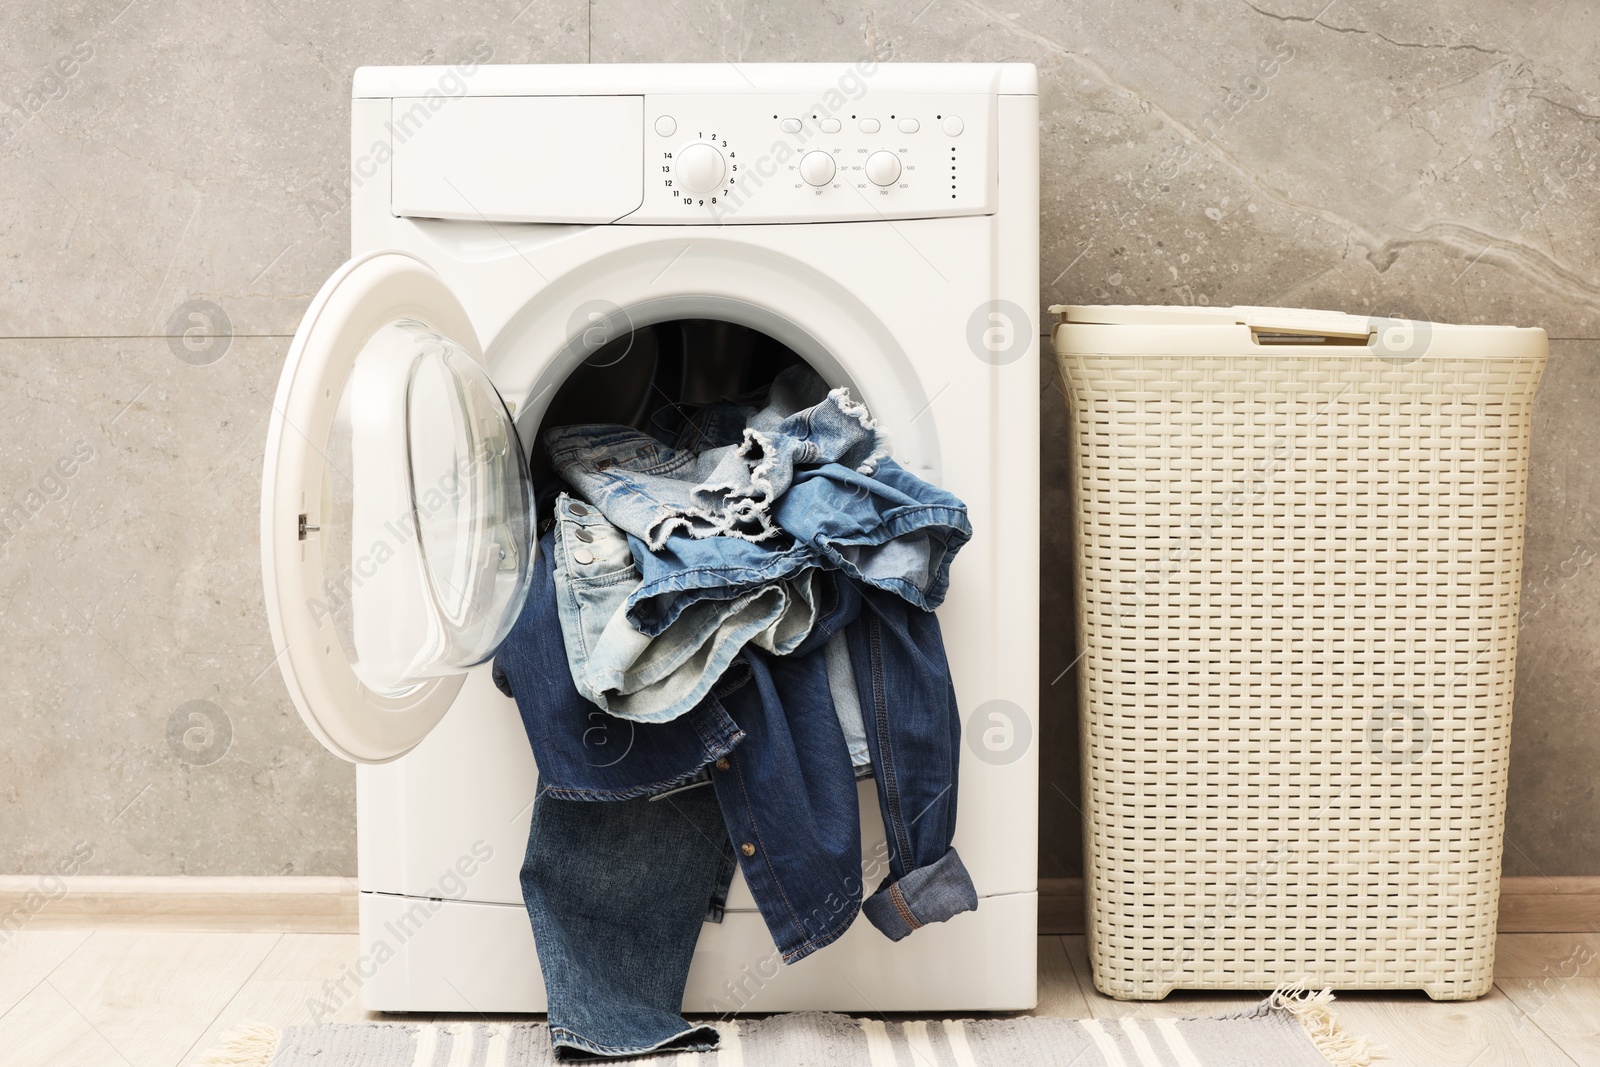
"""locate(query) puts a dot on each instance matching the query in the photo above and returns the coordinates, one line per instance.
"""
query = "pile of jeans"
(730, 620)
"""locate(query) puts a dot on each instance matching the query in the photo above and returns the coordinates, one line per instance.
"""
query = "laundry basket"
(1299, 554)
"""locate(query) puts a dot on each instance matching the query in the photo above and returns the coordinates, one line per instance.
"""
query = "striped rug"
(1286, 1030)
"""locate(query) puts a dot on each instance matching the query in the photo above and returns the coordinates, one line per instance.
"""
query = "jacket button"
(748, 849)
(583, 535)
(722, 764)
(582, 558)
(578, 509)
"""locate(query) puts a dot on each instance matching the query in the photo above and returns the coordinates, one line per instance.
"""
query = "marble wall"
(173, 194)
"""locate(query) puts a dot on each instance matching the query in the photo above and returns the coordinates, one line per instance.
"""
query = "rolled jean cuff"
(929, 894)
(571, 1047)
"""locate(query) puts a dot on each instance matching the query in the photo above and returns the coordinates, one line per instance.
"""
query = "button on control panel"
(760, 158)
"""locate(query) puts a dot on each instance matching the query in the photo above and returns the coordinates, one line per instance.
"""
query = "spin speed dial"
(883, 168)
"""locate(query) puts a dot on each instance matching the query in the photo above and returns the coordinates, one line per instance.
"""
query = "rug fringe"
(251, 1045)
(1314, 1012)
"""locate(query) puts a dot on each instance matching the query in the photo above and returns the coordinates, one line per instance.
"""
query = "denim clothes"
(769, 735)
(733, 625)
(652, 491)
(656, 866)
(889, 529)
(656, 678)
(688, 570)
(874, 520)
(584, 753)
(812, 825)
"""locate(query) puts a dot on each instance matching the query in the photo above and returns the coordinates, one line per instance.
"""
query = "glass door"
(396, 511)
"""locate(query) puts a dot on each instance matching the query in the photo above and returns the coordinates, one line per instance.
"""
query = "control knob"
(817, 168)
(883, 168)
(699, 168)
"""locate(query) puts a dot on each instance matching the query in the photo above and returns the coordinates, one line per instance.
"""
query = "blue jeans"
(616, 894)
(688, 570)
(778, 759)
(889, 529)
(818, 490)
(653, 491)
(656, 678)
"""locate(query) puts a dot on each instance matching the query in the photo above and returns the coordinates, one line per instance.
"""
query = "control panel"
(762, 158)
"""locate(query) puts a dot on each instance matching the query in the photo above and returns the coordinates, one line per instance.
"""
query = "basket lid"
(1261, 319)
(1155, 328)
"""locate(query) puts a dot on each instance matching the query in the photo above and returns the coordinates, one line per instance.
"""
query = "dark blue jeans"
(616, 894)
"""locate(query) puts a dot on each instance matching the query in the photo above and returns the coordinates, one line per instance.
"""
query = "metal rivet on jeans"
(748, 849)
(722, 764)
(582, 558)
(578, 509)
(583, 535)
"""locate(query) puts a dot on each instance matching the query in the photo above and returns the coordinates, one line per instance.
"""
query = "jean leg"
(616, 893)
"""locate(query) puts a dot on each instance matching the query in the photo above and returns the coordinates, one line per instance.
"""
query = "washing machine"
(535, 245)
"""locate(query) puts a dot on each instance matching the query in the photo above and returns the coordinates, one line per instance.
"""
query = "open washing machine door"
(396, 509)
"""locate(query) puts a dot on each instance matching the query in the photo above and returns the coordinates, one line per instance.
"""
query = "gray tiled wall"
(1433, 158)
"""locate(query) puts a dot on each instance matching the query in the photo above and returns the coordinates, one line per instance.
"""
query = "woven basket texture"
(1297, 585)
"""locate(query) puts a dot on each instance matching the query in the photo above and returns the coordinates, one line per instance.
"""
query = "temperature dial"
(817, 168)
(699, 168)
(883, 168)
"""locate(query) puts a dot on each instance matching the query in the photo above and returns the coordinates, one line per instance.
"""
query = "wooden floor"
(139, 998)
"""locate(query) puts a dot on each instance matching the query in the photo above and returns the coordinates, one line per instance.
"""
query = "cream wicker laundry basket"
(1299, 550)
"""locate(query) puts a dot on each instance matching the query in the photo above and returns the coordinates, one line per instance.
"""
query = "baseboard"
(299, 904)
(1550, 905)
(1563, 905)
(328, 905)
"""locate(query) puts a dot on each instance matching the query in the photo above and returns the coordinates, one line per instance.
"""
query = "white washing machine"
(516, 226)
